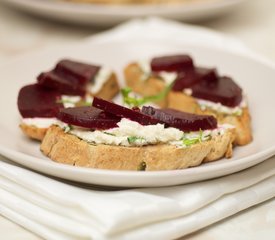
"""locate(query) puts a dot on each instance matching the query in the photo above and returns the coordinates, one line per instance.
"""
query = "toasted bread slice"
(180, 101)
(66, 148)
(33, 131)
(109, 89)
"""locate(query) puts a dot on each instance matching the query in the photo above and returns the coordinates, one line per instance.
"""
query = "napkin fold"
(58, 210)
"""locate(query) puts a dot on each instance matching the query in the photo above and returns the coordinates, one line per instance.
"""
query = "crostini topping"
(181, 120)
(134, 101)
(88, 117)
(176, 63)
(124, 112)
(130, 133)
(69, 77)
(35, 101)
(83, 72)
(40, 122)
(205, 83)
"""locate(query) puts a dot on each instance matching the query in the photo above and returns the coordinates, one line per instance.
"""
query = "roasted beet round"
(88, 117)
(66, 85)
(124, 112)
(176, 63)
(35, 101)
(181, 120)
(83, 72)
(191, 77)
(69, 77)
(224, 91)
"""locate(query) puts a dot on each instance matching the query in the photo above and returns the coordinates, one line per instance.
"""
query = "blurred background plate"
(107, 15)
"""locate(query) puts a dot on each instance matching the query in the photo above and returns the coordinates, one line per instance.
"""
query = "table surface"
(253, 23)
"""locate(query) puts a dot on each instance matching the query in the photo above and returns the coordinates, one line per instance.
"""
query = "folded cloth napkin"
(56, 210)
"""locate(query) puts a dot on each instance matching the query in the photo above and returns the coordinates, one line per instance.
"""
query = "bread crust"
(68, 149)
(33, 132)
(109, 89)
(183, 102)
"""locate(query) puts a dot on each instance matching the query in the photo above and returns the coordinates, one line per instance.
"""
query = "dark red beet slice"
(224, 91)
(35, 101)
(124, 112)
(88, 117)
(189, 78)
(181, 120)
(174, 63)
(69, 77)
(68, 85)
(83, 72)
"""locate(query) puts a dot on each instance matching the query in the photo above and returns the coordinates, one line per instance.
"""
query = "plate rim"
(241, 163)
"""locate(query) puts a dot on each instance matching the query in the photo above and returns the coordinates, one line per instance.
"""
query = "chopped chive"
(133, 139)
(136, 102)
(142, 166)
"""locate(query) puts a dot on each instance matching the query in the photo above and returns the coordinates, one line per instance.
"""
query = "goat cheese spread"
(39, 122)
(218, 107)
(168, 77)
(101, 77)
(130, 133)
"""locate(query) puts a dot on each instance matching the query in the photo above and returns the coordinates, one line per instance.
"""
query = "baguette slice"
(68, 149)
(109, 89)
(180, 101)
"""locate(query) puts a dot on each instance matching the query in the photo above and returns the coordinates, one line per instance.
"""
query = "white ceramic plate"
(254, 76)
(96, 14)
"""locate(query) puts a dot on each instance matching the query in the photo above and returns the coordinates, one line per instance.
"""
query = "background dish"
(96, 14)
(248, 72)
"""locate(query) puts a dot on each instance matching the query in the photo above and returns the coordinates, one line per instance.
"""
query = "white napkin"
(56, 210)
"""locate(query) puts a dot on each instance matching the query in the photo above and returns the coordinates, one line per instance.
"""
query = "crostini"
(193, 89)
(68, 84)
(109, 136)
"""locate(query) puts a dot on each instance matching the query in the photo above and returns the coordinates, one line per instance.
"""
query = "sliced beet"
(88, 117)
(181, 120)
(66, 85)
(83, 72)
(69, 77)
(224, 91)
(176, 63)
(191, 77)
(35, 101)
(124, 112)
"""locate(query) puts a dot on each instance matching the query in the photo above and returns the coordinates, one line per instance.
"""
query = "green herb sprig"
(137, 102)
(133, 139)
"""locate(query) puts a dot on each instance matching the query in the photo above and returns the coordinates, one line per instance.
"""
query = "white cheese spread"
(218, 107)
(40, 122)
(101, 77)
(69, 101)
(168, 77)
(130, 133)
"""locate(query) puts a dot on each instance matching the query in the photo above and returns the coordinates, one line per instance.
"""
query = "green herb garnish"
(136, 102)
(133, 139)
(142, 166)
(190, 141)
(68, 128)
(111, 134)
